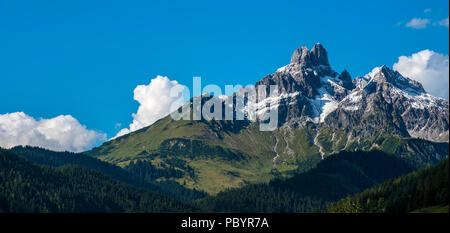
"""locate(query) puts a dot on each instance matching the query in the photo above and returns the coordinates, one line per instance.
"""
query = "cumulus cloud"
(155, 103)
(418, 23)
(62, 133)
(429, 68)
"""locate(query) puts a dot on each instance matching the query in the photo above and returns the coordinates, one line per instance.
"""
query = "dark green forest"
(39, 180)
(145, 177)
(27, 187)
(419, 189)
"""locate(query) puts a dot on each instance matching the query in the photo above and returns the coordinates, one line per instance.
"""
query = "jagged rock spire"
(317, 56)
(300, 56)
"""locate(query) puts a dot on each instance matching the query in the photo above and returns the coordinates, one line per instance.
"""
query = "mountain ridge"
(320, 112)
(323, 91)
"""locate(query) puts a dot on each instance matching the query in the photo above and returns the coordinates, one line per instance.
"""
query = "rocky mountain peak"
(384, 74)
(316, 57)
(381, 102)
(301, 56)
(319, 55)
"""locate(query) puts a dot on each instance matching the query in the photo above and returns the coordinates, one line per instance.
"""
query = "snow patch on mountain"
(256, 109)
(323, 104)
(323, 91)
(421, 101)
(352, 101)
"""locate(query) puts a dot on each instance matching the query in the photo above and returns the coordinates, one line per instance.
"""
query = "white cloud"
(429, 68)
(155, 103)
(443, 22)
(428, 10)
(418, 23)
(60, 133)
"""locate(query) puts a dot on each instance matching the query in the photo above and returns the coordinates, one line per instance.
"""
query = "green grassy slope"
(333, 178)
(231, 154)
(221, 159)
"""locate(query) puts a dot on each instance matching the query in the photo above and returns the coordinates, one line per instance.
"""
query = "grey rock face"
(306, 80)
(301, 56)
(346, 80)
(319, 55)
(422, 115)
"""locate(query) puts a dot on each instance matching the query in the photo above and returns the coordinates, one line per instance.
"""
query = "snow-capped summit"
(384, 74)
(383, 101)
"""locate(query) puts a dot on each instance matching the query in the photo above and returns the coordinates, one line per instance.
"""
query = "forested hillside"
(428, 187)
(27, 187)
(335, 177)
(129, 176)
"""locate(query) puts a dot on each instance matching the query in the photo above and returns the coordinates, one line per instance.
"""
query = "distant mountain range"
(320, 113)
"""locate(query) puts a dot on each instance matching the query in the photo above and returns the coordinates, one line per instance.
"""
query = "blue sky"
(84, 58)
